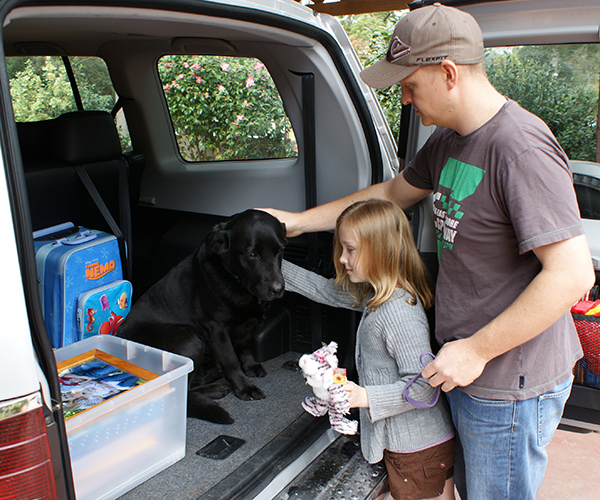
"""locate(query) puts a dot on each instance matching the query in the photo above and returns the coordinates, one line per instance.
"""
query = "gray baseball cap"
(427, 35)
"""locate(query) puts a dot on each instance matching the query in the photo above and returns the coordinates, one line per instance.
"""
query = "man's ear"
(450, 73)
(218, 241)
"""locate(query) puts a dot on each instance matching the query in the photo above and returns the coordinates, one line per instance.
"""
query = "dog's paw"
(249, 393)
(199, 406)
(218, 415)
(255, 370)
(215, 390)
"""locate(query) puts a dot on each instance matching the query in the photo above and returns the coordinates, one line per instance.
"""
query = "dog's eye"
(252, 255)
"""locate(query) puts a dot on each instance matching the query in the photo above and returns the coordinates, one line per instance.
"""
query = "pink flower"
(198, 80)
(186, 65)
(225, 66)
(220, 88)
(168, 65)
(250, 81)
(239, 118)
(258, 66)
(245, 104)
(180, 76)
(195, 66)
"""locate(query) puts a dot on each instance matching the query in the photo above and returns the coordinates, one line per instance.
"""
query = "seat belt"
(123, 236)
(310, 190)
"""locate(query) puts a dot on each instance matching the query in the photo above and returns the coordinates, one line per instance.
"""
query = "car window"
(558, 83)
(225, 108)
(40, 89)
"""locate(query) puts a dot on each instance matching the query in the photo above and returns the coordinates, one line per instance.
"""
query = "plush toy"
(321, 372)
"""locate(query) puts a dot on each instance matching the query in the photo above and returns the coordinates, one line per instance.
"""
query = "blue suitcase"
(72, 260)
(101, 310)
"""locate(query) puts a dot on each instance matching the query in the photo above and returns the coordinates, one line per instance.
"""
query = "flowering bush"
(225, 108)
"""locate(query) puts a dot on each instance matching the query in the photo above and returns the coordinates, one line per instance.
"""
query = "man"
(512, 252)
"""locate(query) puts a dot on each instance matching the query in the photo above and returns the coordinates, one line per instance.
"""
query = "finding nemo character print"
(111, 325)
(460, 181)
(122, 301)
(91, 317)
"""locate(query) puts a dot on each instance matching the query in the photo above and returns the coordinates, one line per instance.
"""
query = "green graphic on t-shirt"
(462, 180)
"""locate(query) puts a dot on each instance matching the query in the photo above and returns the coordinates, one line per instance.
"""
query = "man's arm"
(323, 217)
(566, 275)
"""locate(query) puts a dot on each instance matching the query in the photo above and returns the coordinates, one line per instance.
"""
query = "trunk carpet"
(256, 422)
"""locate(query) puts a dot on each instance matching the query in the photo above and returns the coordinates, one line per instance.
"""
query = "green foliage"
(41, 95)
(557, 83)
(370, 36)
(40, 89)
(225, 108)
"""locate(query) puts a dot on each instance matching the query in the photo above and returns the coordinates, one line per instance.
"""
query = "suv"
(212, 107)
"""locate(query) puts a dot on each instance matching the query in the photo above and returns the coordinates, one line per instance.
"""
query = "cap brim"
(384, 74)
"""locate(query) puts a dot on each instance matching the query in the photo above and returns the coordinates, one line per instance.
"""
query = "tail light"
(25, 465)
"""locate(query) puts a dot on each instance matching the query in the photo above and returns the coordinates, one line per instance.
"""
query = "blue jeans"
(501, 445)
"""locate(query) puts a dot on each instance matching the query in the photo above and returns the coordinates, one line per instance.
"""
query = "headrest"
(75, 138)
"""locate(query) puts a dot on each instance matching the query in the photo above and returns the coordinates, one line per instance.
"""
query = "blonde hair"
(387, 252)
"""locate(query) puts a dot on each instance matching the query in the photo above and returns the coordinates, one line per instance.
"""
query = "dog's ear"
(219, 239)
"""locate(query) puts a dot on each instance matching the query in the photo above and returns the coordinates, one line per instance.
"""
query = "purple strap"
(419, 404)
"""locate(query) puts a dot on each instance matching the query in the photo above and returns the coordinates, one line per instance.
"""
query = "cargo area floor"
(257, 423)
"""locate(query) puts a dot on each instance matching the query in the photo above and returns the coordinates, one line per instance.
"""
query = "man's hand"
(357, 395)
(456, 365)
(292, 226)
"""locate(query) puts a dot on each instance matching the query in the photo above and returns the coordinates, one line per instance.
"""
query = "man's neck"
(480, 105)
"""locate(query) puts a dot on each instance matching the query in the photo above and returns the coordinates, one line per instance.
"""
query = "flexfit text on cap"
(428, 35)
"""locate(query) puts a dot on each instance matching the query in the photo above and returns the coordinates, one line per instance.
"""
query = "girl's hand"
(357, 395)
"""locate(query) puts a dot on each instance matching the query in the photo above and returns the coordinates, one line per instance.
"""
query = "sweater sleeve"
(315, 287)
(405, 332)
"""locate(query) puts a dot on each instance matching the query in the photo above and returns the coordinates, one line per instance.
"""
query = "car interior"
(162, 204)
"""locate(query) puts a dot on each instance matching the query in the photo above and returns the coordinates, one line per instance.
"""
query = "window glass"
(40, 89)
(225, 108)
(558, 83)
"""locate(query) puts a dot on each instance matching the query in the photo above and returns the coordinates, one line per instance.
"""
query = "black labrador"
(210, 306)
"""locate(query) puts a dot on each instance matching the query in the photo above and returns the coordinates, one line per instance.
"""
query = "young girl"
(379, 271)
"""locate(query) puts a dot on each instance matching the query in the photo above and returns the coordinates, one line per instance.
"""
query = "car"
(216, 106)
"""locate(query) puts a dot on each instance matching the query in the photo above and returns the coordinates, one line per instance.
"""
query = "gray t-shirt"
(498, 193)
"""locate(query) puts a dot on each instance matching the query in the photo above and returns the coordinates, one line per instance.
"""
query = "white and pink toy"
(321, 372)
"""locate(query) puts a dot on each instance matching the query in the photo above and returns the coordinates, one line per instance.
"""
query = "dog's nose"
(277, 289)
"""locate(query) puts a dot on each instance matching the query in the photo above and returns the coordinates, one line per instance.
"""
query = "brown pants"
(420, 474)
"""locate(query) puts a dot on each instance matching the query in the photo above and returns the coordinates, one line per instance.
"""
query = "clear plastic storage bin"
(122, 442)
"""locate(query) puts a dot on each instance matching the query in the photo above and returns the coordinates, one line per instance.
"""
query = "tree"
(558, 83)
(41, 95)
(225, 108)
(40, 88)
(370, 36)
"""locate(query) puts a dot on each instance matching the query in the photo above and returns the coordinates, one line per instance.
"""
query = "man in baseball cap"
(511, 250)
(427, 36)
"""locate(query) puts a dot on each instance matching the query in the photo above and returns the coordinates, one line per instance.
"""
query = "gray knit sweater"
(389, 342)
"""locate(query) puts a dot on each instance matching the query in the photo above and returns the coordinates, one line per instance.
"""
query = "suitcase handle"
(40, 233)
(81, 238)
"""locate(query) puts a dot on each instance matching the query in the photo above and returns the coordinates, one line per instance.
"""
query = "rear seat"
(51, 149)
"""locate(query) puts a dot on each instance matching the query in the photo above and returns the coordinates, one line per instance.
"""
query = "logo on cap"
(397, 50)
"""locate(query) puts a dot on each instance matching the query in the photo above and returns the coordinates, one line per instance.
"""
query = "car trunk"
(269, 435)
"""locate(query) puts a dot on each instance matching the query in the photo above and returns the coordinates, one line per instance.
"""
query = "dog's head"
(251, 245)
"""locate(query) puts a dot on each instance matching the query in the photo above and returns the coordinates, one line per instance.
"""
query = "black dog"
(211, 304)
